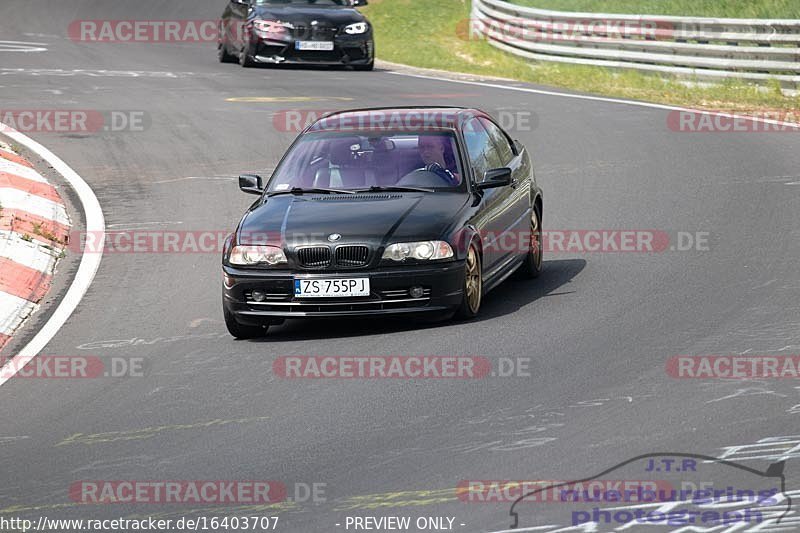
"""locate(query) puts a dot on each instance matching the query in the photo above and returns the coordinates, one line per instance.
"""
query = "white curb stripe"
(90, 262)
(15, 310)
(30, 254)
(20, 170)
(17, 199)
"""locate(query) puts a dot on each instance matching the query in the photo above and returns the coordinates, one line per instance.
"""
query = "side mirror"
(251, 184)
(496, 177)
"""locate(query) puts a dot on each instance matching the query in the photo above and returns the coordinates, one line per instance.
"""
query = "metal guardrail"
(702, 48)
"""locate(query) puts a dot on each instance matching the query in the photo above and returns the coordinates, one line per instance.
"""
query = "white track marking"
(95, 223)
(21, 46)
(598, 99)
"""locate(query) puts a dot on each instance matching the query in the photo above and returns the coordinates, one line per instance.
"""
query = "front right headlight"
(357, 28)
(257, 255)
(423, 250)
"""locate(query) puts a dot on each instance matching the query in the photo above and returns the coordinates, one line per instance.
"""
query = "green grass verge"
(783, 9)
(430, 34)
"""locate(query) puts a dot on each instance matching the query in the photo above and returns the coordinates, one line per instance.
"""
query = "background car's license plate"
(331, 288)
(326, 46)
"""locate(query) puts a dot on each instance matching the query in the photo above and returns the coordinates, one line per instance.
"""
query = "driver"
(432, 151)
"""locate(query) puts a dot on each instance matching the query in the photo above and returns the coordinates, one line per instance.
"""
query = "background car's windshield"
(361, 160)
(311, 2)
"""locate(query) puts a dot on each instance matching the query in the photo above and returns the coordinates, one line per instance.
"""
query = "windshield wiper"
(395, 188)
(313, 190)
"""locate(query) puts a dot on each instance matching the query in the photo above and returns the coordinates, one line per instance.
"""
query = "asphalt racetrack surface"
(597, 328)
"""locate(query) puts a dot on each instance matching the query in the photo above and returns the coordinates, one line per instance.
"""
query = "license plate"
(331, 288)
(325, 46)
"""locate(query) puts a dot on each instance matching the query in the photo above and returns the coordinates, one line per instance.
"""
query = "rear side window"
(483, 154)
(500, 141)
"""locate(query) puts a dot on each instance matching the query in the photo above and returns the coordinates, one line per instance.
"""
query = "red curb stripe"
(36, 188)
(4, 340)
(15, 158)
(21, 281)
(23, 222)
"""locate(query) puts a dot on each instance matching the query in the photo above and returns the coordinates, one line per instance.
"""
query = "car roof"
(412, 119)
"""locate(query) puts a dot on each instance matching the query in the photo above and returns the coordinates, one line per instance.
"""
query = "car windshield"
(304, 2)
(361, 160)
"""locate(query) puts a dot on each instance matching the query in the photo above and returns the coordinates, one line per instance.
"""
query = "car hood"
(375, 219)
(298, 14)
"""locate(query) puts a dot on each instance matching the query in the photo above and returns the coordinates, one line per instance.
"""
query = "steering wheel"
(441, 172)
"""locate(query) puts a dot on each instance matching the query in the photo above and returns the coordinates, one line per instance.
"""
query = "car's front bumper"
(442, 283)
(347, 50)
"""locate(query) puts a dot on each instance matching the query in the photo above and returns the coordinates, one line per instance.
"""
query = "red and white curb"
(33, 232)
(47, 228)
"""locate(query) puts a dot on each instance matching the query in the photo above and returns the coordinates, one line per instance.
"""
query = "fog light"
(415, 292)
(259, 296)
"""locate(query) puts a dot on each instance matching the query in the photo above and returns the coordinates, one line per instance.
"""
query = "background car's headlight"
(423, 250)
(271, 27)
(256, 255)
(356, 29)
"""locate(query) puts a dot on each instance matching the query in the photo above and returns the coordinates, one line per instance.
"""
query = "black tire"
(245, 59)
(223, 55)
(532, 266)
(241, 331)
(473, 285)
(368, 66)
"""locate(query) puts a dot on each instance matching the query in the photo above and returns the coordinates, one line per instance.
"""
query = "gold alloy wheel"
(473, 280)
(536, 240)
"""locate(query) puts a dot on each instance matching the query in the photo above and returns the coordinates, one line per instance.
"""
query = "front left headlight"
(357, 28)
(257, 255)
(423, 251)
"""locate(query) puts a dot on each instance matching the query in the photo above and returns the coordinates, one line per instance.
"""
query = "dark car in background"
(384, 211)
(318, 32)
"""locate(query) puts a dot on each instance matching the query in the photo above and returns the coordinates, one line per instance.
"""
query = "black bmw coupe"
(384, 211)
(320, 32)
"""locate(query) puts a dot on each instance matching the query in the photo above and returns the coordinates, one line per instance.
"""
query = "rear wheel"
(241, 331)
(532, 266)
(473, 285)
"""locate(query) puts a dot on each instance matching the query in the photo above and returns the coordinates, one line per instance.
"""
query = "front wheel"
(245, 59)
(222, 54)
(241, 331)
(368, 66)
(473, 285)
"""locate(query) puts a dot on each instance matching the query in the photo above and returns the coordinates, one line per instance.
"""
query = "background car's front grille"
(314, 33)
(352, 256)
(314, 257)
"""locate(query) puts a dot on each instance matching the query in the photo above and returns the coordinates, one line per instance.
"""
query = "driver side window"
(482, 152)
